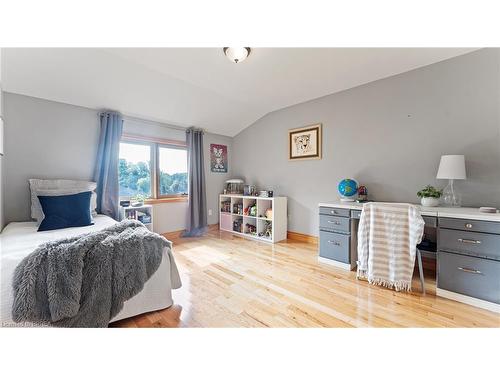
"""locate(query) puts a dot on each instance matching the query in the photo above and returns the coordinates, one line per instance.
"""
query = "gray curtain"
(106, 171)
(197, 212)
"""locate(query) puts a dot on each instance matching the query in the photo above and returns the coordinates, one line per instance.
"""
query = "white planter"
(429, 202)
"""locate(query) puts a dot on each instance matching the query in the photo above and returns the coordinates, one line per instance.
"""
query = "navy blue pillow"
(65, 211)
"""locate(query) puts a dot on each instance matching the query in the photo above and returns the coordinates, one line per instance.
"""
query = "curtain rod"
(165, 125)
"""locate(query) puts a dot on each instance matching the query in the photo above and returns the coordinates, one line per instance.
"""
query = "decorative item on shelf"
(362, 194)
(238, 209)
(304, 143)
(269, 213)
(347, 189)
(429, 196)
(234, 186)
(138, 200)
(249, 190)
(263, 194)
(251, 229)
(144, 218)
(267, 231)
(238, 225)
(488, 210)
(251, 210)
(218, 158)
(225, 206)
(125, 203)
(451, 167)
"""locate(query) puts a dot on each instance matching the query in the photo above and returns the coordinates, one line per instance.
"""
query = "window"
(152, 170)
(134, 170)
(172, 164)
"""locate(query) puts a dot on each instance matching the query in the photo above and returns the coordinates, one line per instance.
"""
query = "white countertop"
(470, 213)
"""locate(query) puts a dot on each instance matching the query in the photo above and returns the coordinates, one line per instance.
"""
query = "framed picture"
(305, 143)
(218, 158)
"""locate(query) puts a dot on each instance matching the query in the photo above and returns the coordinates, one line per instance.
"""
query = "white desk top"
(452, 212)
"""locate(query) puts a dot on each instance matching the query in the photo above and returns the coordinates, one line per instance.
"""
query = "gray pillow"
(59, 187)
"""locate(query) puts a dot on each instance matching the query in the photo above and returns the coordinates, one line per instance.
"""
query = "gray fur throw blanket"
(83, 281)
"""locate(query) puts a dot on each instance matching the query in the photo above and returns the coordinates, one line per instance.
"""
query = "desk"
(468, 248)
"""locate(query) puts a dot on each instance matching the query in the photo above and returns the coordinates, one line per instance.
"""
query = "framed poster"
(218, 158)
(305, 143)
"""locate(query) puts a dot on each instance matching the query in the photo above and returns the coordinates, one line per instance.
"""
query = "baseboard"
(302, 237)
(468, 300)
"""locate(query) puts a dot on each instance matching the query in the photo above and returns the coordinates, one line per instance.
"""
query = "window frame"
(154, 147)
(157, 163)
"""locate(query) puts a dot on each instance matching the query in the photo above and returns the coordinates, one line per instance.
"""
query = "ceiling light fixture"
(236, 54)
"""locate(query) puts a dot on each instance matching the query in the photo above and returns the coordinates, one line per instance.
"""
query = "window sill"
(166, 200)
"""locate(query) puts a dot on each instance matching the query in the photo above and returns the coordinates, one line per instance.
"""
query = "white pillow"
(59, 187)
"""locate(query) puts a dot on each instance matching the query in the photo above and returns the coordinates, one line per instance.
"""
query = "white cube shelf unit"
(233, 208)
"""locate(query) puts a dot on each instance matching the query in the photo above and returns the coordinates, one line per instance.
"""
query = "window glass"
(134, 170)
(172, 171)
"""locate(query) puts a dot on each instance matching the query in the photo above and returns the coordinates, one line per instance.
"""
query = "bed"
(19, 239)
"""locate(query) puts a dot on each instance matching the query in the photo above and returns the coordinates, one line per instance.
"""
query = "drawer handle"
(468, 225)
(333, 212)
(334, 222)
(470, 270)
(473, 242)
(334, 242)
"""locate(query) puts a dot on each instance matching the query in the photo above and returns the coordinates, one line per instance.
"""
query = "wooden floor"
(229, 281)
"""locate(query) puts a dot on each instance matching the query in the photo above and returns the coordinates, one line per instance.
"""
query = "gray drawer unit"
(474, 277)
(334, 246)
(470, 225)
(430, 221)
(334, 211)
(334, 223)
(355, 214)
(470, 243)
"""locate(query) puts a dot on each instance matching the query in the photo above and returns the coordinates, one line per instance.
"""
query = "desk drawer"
(470, 225)
(468, 275)
(334, 246)
(334, 223)
(470, 243)
(334, 211)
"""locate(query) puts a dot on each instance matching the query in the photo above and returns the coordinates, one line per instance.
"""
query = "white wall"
(389, 135)
(53, 140)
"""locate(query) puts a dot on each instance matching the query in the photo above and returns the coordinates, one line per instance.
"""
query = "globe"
(347, 189)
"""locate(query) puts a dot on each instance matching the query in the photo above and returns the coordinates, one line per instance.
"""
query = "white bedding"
(19, 239)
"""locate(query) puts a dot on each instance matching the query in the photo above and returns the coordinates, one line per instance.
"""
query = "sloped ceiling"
(199, 86)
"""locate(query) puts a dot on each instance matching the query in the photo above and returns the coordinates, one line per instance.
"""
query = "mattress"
(19, 239)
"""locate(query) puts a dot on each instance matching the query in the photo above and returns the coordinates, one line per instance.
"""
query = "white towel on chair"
(388, 236)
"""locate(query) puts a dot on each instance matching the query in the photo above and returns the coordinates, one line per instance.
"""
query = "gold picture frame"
(305, 143)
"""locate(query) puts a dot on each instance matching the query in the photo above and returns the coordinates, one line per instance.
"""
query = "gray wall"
(389, 135)
(54, 140)
(1, 157)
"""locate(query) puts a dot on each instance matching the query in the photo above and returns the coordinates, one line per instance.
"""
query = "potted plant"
(429, 196)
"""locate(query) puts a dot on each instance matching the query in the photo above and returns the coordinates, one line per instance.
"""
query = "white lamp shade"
(452, 167)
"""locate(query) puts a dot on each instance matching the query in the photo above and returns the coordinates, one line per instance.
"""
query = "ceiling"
(199, 86)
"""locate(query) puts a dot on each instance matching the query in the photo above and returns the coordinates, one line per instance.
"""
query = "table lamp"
(451, 167)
